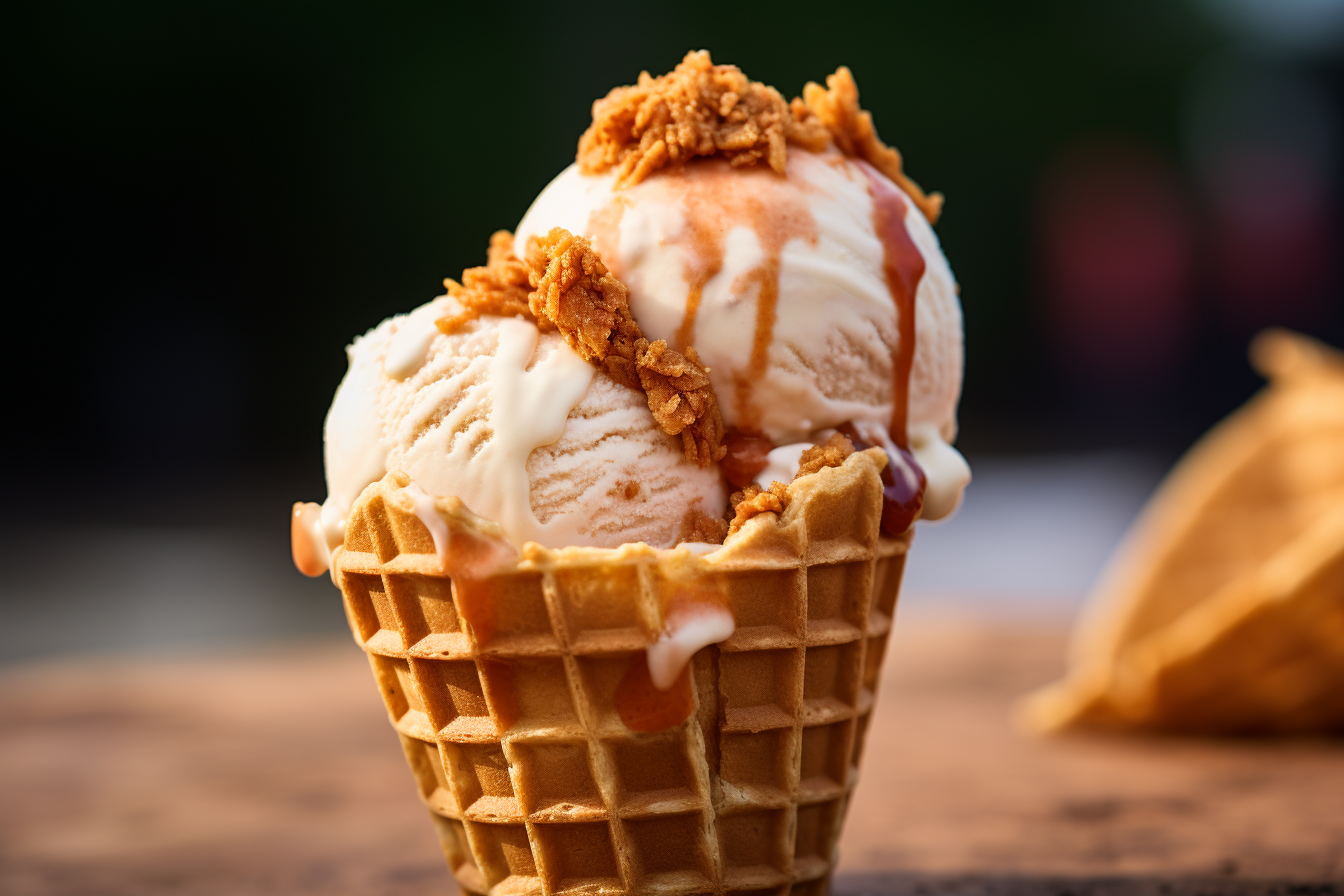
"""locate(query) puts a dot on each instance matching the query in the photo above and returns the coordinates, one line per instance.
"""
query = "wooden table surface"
(275, 771)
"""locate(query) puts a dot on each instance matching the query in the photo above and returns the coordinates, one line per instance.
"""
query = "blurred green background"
(212, 199)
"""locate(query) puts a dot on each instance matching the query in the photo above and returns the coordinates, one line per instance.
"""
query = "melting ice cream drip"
(694, 621)
(462, 555)
(307, 542)
(428, 514)
(409, 347)
(687, 631)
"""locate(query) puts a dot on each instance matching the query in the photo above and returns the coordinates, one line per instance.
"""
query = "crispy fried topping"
(852, 130)
(702, 109)
(697, 109)
(500, 287)
(831, 454)
(682, 399)
(575, 293)
(752, 501)
(697, 525)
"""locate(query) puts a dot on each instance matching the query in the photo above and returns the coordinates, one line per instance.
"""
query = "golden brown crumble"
(752, 501)
(852, 130)
(500, 287)
(697, 525)
(682, 399)
(697, 109)
(576, 294)
(703, 109)
(830, 454)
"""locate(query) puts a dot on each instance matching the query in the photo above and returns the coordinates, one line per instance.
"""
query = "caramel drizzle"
(716, 198)
(903, 268)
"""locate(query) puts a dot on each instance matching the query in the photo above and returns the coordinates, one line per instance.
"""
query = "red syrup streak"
(903, 482)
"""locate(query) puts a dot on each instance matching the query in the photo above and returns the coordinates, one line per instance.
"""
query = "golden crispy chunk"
(498, 288)
(682, 399)
(698, 109)
(697, 525)
(752, 501)
(575, 293)
(852, 130)
(831, 454)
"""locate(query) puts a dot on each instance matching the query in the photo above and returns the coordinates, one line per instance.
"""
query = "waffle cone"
(517, 725)
(1223, 612)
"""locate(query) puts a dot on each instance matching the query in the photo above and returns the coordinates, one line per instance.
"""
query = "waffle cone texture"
(514, 727)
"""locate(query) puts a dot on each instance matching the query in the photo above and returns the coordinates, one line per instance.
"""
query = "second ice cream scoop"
(784, 285)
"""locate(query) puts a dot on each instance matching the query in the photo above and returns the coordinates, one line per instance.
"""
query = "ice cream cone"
(1224, 610)
(547, 758)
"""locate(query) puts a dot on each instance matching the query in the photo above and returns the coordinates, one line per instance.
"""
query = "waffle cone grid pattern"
(747, 795)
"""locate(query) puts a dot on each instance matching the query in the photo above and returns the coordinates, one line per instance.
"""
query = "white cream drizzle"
(523, 409)
(433, 520)
(946, 472)
(781, 464)
(688, 632)
(409, 346)
(498, 555)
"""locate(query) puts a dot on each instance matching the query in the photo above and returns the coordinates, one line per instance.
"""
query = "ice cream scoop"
(516, 425)
(791, 292)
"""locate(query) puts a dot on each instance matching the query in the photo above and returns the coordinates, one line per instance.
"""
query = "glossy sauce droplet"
(903, 484)
(306, 542)
(747, 455)
(468, 559)
(645, 708)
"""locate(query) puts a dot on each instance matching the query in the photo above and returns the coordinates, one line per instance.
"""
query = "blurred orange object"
(1223, 610)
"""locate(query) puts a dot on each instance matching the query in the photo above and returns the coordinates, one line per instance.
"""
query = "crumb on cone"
(830, 454)
(753, 501)
(697, 525)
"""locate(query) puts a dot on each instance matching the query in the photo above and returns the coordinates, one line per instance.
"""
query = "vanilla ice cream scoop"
(516, 425)
(800, 301)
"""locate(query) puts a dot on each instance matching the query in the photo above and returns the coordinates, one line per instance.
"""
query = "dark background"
(210, 200)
